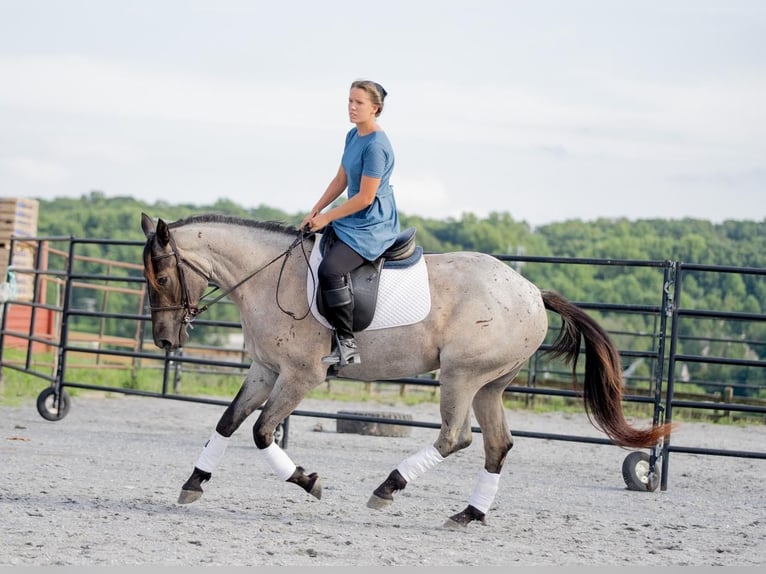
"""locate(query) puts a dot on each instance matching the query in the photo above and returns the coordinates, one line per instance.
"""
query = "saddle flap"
(364, 281)
(410, 290)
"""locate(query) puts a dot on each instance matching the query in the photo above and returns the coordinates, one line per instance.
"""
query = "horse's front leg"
(287, 395)
(254, 391)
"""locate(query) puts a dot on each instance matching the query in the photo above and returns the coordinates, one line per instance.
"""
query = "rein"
(193, 311)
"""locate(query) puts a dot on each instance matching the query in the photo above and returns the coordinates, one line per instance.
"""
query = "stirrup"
(344, 353)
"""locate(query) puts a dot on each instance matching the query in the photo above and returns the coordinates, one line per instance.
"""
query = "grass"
(18, 387)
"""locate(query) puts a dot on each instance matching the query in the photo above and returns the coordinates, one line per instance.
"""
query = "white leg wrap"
(212, 452)
(278, 460)
(417, 464)
(484, 490)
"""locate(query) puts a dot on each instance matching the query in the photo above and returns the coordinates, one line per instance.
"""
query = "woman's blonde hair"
(376, 92)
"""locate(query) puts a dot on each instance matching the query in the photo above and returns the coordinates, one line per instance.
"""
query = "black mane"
(232, 220)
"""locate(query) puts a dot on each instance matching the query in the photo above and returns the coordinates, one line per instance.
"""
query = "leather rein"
(192, 311)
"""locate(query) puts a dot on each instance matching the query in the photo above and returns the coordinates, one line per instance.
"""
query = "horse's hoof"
(308, 482)
(189, 496)
(316, 489)
(192, 488)
(383, 496)
(379, 503)
(464, 518)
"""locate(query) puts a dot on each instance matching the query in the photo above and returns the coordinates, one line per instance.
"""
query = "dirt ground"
(100, 488)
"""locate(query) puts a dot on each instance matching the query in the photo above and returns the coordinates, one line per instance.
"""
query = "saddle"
(365, 280)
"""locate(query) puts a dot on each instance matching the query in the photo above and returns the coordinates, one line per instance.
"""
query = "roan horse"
(485, 321)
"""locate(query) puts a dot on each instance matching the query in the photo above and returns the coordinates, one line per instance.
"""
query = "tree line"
(731, 243)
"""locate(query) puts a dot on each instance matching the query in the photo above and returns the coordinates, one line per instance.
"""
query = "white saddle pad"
(404, 297)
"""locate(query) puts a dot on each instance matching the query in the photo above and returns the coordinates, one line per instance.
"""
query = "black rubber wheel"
(374, 428)
(635, 472)
(279, 435)
(46, 405)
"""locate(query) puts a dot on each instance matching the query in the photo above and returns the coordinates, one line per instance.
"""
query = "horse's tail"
(602, 386)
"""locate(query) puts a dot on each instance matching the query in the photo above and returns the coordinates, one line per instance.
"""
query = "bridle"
(192, 310)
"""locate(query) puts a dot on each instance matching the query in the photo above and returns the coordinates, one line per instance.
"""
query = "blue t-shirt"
(372, 230)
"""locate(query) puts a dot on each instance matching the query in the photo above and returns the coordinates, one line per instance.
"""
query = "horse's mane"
(232, 220)
(213, 218)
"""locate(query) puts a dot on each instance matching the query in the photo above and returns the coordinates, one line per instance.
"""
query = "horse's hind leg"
(254, 391)
(490, 414)
(455, 434)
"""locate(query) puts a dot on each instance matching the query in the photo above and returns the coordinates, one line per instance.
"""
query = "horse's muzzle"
(169, 341)
(166, 345)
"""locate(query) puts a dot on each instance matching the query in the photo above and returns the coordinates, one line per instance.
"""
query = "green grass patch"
(22, 383)
(147, 376)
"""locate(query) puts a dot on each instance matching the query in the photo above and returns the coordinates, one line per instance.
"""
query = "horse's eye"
(162, 281)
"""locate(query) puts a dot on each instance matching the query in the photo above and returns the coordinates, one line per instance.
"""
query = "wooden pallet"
(18, 217)
(18, 204)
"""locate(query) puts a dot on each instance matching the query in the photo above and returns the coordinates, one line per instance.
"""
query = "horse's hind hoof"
(383, 496)
(189, 496)
(379, 503)
(308, 482)
(464, 518)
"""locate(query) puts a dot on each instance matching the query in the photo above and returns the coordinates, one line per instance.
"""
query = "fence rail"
(95, 311)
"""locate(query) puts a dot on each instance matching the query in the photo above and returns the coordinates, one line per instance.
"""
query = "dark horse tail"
(602, 387)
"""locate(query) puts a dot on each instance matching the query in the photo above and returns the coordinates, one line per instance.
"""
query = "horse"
(484, 322)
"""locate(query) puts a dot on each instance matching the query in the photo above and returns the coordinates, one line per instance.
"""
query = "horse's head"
(174, 287)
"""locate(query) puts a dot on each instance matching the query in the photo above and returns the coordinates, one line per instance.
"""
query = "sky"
(547, 110)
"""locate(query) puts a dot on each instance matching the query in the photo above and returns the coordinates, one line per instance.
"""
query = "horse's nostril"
(166, 345)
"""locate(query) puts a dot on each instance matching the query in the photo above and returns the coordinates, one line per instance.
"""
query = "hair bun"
(382, 90)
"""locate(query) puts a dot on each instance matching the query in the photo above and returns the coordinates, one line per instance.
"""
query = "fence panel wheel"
(46, 404)
(280, 434)
(635, 472)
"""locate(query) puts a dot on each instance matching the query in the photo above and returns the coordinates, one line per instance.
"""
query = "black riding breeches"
(339, 260)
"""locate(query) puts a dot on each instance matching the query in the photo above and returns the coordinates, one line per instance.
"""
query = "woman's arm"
(367, 190)
(336, 186)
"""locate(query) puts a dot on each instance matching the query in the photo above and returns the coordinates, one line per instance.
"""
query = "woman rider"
(366, 224)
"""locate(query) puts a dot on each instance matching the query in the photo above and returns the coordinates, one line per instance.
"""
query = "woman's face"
(360, 107)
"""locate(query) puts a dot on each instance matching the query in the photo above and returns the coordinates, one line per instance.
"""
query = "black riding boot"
(340, 314)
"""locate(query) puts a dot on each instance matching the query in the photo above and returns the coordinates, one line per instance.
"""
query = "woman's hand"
(306, 223)
(315, 220)
(318, 222)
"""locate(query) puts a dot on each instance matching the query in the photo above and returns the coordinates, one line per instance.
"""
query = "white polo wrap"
(484, 490)
(417, 464)
(212, 452)
(278, 460)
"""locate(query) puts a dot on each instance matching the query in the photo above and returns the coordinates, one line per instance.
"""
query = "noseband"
(192, 311)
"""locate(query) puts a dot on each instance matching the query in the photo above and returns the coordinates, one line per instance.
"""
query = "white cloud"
(583, 111)
(423, 195)
(93, 87)
(609, 117)
(33, 170)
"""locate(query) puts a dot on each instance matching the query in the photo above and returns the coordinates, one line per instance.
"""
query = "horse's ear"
(147, 224)
(163, 233)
